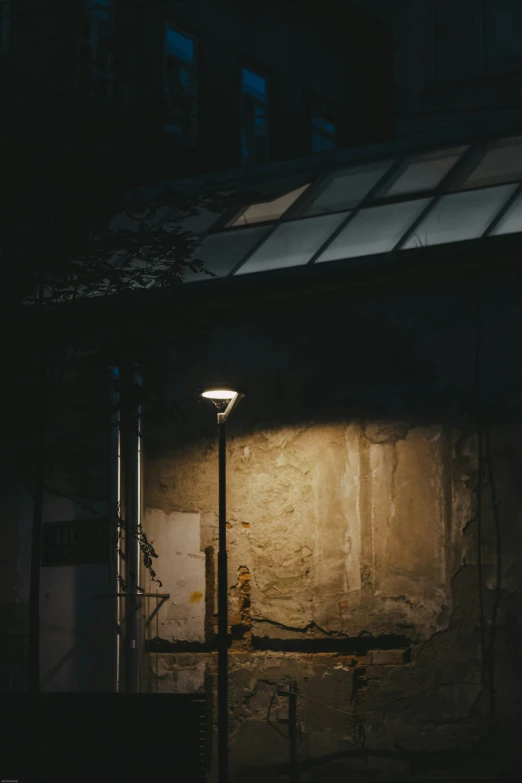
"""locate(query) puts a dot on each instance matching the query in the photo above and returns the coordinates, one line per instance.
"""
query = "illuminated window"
(323, 128)
(180, 84)
(95, 70)
(268, 210)
(254, 117)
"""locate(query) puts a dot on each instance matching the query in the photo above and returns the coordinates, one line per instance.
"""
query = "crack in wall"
(241, 619)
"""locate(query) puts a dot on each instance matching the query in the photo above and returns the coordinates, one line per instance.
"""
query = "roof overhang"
(314, 286)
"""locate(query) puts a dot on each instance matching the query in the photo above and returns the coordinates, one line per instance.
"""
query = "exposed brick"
(388, 657)
(241, 620)
(374, 673)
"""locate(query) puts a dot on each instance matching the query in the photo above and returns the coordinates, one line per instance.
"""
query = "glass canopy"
(350, 211)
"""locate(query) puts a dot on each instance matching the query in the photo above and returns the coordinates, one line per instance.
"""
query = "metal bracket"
(122, 595)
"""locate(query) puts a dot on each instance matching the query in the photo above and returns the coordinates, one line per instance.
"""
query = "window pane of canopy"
(401, 195)
(346, 187)
(292, 244)
(460, 216)
(512, 220)
(374, 230)
(221, 252)
(421, 172)
(268, 210)
(501, 162)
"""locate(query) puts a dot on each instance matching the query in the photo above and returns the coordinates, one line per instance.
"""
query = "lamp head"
(223, 399)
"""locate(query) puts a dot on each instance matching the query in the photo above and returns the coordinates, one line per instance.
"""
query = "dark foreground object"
(102, 737)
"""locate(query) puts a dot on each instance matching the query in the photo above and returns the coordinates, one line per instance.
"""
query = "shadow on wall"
(403, 353)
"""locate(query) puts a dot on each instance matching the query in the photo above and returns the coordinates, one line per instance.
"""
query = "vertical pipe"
(133, 548)
(222, 693)
(36, 541)
(292, 732)
(38, 510)
(139, 601)
(480, 474)
(115, 512)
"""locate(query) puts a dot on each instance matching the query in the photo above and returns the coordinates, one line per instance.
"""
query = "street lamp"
(224, 400)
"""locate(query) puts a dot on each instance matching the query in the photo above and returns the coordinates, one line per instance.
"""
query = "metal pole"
(222, 690)
(133, 550)
(292, 732)
(115, 511)
(38, 510)
(36, 540)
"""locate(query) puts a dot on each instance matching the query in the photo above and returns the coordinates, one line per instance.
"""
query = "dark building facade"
(99, 96)
(456, 63)
(202, 85)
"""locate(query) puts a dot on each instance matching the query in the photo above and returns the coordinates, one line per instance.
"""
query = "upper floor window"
(95, 74)
(254, 117)
(180, 84)
(323, 128)
(5, 19)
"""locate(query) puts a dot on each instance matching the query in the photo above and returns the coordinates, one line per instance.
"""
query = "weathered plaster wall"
(364, 564)
(343, 527)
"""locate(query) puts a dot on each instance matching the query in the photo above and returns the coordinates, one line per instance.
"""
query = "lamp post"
(224, 400)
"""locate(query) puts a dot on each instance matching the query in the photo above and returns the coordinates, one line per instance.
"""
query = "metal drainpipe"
(222, 679)
(115, 512)
(138, 503)
(133, 549)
